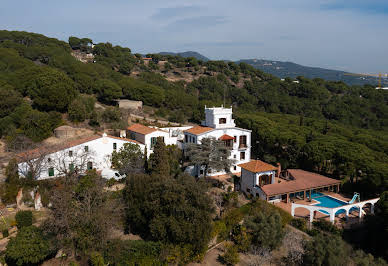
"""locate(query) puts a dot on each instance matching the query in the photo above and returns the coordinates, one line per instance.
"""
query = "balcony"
(242, 146)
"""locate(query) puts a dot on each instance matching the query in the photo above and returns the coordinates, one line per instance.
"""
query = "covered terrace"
(297, 184)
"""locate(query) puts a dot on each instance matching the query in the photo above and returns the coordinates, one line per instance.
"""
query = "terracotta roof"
(303, 180)
(198, 130)
(226, 137)
(257, 166)
(141, 129)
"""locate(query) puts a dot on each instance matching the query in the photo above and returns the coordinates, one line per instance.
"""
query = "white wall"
(100, 151)
(212, 116)
(156, 134)
(235, 152)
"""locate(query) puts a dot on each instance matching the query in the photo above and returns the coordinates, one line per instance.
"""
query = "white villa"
(219, 124)
(93, 152)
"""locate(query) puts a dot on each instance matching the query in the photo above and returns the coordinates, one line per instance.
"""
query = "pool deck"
(304, 213)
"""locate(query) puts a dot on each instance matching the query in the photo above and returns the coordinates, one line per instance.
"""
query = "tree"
(129, 159)
(52, 90)
(211, 153)
(76, 164)
(29, 247)
(11, 186)
(159, 159)
(377, 228)
(39, 125)
(9, 100)
(326, 250)
(82, 214)
(81, 108)
(176, 211)
(107, 90)
(266, 230)
(33, 163)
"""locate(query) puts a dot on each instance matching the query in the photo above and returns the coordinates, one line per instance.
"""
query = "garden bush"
(230, 256)
(299, 223)
(23, 219)
(326, 226)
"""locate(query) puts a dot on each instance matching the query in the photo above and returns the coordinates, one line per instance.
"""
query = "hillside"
(187, 54)
(292, 70)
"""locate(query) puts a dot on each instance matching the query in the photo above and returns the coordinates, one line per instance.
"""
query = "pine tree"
(159, 159)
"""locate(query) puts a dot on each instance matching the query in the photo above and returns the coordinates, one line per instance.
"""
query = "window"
(234, 168)
(235, 139)
(133, 136)
(71, 167)
(222, 120)
(51, 171)
(186, 138)
(48, 159)
(153, 142)
(243, 141)
(234, 156)
(264, 180)
(90, 165)
(242, 155)
(86, 148)
(70, 153)
(201, 172)
(115, 146)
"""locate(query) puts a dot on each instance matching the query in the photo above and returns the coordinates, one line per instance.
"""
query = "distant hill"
(188, 54)
(292, 70)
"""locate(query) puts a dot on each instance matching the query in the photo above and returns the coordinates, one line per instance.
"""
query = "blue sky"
(349, 35)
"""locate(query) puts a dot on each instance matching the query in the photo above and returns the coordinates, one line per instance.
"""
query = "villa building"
(92, 152)
(220, 124)
(270, 183)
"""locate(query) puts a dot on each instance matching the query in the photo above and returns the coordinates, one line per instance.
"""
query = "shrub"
(5, 233)
(240, 238)
(326, 250)
(327, 226)
(219, 231)
(299, 223)
(23, 219)
(266, 230)
(96, 259)
(133, 252)
(230, 256)
(29, 247)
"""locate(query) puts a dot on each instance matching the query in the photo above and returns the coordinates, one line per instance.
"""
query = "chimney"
(279, 169)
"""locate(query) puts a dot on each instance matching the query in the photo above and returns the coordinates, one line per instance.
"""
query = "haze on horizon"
(336, 34)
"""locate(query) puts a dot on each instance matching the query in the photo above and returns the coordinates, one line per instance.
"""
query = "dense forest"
(322, 126)
(319, 125)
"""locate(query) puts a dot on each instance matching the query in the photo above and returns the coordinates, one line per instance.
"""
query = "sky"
(350, 35)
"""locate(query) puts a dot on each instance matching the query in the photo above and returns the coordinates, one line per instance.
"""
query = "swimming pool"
(329, 202)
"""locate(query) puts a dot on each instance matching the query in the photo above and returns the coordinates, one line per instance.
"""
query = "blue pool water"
(330, 202)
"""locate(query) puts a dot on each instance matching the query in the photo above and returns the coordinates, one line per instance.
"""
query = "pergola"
(300, 182)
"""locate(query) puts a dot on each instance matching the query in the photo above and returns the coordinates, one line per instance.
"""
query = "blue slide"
(355, 196)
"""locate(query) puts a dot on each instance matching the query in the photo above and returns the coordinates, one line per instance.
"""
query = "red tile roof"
(141, 129)
(198, 130)
(303, 180)
(257, 166)
(226, 137)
